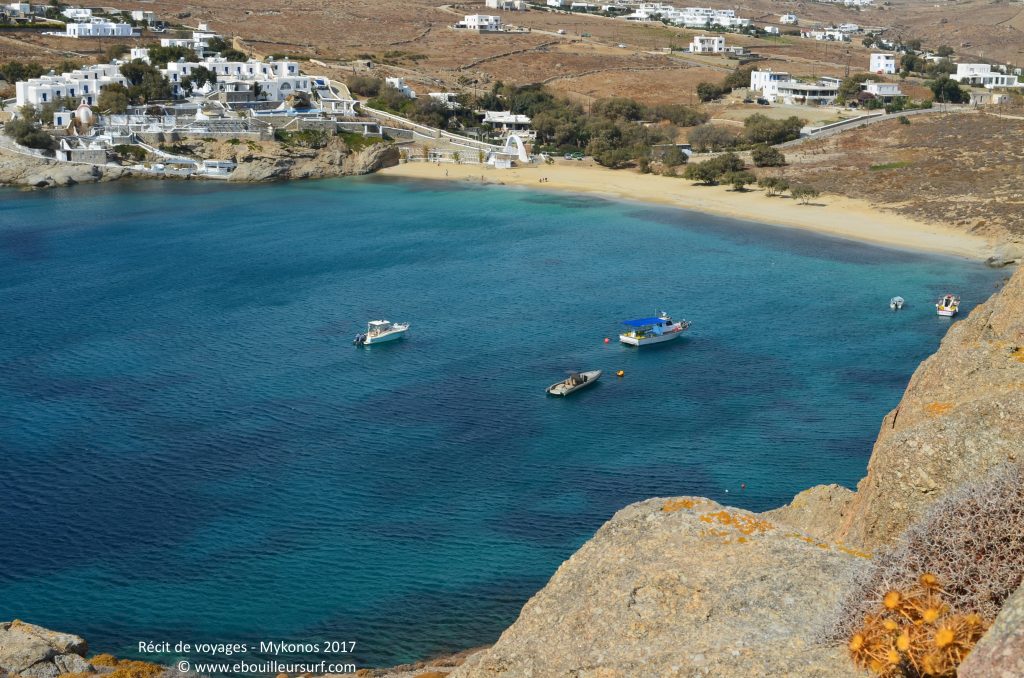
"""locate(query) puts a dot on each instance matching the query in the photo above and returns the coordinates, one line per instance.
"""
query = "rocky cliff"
(269, 162)
(685, 587)
(34, 652)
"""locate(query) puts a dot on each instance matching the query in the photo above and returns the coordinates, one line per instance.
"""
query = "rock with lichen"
(681, 587)
(1000, 653)
(35, 652)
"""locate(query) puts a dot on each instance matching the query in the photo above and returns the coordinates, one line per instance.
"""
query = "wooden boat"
(644, 331)
(575, 382)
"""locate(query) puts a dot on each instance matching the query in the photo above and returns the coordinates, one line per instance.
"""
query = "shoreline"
(831, 215)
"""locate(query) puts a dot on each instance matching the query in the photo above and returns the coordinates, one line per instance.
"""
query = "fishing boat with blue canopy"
(653, 330)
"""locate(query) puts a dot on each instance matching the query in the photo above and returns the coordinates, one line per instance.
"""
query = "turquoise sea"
(192, 449)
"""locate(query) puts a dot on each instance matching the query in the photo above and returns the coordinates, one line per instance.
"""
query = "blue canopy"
(643, 322)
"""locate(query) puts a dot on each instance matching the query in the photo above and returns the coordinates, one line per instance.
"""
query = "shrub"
(25, 133)
(127, 151)
(773, 185)
(739, 180)
(709, 91)
(711, 138)
(913, 633)
(972, 539)
(761, 129)
(711, 171)
(365, 85)
(804, 193)
(766, 156)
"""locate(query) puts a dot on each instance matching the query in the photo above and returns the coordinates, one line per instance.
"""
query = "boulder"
(682, 587)
(1000, 653)
(36, 652)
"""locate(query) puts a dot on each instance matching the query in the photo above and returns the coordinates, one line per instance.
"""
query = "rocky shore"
(268, 161)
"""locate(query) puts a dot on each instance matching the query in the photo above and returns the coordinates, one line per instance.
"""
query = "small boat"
(948, 305)
(575, 382)
(643, 331)
(379, 331)
(896, 303)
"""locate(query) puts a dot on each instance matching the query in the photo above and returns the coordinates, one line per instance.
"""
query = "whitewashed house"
(767, 82)
(558, 4)
(480, 22)
(821, 93)
(85, 83)
(828, 34)
(276, 79)
(772, 30)
(77, 13)
(139, 54)
(98, 28)
(707, 44)
(507, 5)
(449, 99)
(882, 63)
(399, 84)
(507, 121)
(143, 15)
(788, 19)
(886, 91)
(982, 75)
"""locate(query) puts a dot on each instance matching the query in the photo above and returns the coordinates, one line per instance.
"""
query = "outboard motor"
(359, 340)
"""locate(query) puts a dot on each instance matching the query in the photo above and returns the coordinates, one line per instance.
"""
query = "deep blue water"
(191, 448)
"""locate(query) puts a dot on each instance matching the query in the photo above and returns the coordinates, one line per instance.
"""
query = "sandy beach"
(829, 214)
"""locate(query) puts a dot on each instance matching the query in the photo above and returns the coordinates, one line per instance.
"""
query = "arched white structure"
(514, 146)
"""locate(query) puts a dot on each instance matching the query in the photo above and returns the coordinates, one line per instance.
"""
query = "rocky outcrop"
(20, 170)
(335, 159)
(1000, 653)
(681, 587)
(817, 511)
(34, 652)
(962, 415)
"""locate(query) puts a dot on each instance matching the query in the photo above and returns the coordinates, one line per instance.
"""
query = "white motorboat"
(896, 303)
(644, 331)
(948, 306)
(575, 382)
(379, 331)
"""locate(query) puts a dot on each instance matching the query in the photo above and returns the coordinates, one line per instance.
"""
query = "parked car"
(762, 102)
(748, 101)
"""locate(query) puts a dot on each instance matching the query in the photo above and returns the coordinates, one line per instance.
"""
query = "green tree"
(113, 99)
(944, 51)
(760, 129)
(945, 90)
(773, 185)
(868, 41)
(709, 91)
(702, 172)
(26, 133)
(740, 77)
(739, 180)
(673, 157)
(764, 155)
(365, 85)
(159, 56)
(849, 88)
(804, 193)
(711, 138)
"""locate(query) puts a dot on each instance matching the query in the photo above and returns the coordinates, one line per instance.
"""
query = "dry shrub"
(971, 540)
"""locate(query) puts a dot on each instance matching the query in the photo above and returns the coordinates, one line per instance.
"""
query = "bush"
(711, 171)
(366, 86)
(739, 180)
(709, 91)
(25, 133)
(129, 152)
(766, 156)
(707, 138)
(972, 539)
(773, 185)
(804, 193)
(760, 129)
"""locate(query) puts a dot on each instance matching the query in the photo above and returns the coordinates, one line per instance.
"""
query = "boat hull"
(389, 336)
(945, 313)
(561, 389)
(654, 339)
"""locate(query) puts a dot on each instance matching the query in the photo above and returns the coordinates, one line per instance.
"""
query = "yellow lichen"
(938, 408)
(673, 505)
(103, 660)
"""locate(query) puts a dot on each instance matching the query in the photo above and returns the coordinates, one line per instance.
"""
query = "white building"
(767, 82)
(449, 99)
(558, 4)
(982, 75)
(399, 84)
(707, 44)
(139, 54)
(480, 22)
(85, 83)
(143, 15)
(276, 79)
(78, 13)
(886, 91)
(826, 34)
(882, 63)
(772, 30)
(820, 93)
(97, 28)
(690, 17)
(198, 43)
(849, 28)
(507, 5)
(507, 121)
(788, 19)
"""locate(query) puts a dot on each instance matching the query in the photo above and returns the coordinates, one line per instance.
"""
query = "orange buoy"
(620, 373)
(606, 340)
